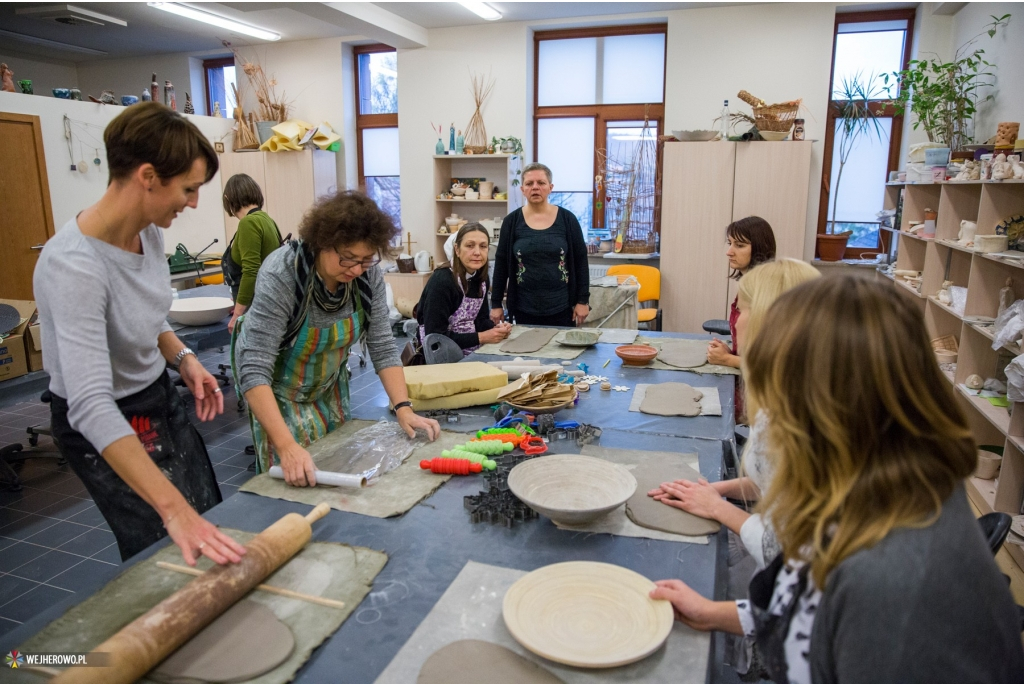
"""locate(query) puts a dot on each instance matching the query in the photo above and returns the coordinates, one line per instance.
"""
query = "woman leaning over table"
(884, 574)
(541, 261)
(315, 298)
(104, 290)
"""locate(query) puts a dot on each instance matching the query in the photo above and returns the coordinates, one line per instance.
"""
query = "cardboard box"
(34, 347)
(13, 355)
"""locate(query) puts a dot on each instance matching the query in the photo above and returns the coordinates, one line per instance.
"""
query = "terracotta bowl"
(636, 355)
(571, 488)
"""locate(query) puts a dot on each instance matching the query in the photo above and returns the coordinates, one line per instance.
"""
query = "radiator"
(598, 271)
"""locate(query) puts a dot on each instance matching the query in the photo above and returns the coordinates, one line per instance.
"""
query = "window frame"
(215, 63)
(603, 114)
(364, 121)
(881, 107)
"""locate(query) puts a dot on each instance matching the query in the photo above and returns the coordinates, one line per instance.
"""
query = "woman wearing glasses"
(315, 298)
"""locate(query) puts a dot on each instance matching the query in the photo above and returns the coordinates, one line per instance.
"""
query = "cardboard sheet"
(710, 403)
(431, 381)
(471, 609)
(684, 342)
(395, 493)
(325, 569)
(552, 350)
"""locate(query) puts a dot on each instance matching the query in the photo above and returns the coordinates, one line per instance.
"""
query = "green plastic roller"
(488, 447)
(456, 453)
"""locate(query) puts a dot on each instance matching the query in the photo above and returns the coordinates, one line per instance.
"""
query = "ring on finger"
(201, 545)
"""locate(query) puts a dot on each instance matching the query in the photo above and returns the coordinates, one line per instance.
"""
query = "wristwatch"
(398, 406)
(180, 357)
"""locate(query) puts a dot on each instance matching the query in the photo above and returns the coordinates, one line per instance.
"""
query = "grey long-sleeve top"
(257, 347)
(101, 310)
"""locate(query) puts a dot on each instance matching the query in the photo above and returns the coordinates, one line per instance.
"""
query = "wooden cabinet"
(292, 182)
(707, 186)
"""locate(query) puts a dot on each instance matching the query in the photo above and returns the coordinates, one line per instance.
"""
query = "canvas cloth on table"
(324, 569)
(618, 304)
(395, 493)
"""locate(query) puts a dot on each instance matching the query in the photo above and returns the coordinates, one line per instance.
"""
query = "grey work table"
(429, 545)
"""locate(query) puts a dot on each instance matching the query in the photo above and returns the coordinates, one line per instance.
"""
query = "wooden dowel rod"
(333, 603)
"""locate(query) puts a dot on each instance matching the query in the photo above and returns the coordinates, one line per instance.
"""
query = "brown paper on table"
(396, 492)
(325, 569)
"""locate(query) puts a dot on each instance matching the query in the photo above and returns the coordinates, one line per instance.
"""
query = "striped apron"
(310, 383)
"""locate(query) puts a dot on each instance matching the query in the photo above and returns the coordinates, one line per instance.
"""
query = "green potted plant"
(508, 146)
(855, 118)
(944, 96)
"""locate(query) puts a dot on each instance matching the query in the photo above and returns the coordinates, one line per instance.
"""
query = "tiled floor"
(54, 541)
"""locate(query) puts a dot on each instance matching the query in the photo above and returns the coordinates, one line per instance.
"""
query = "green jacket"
(256, 238)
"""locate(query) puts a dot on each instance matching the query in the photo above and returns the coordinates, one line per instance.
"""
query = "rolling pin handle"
(318, 512)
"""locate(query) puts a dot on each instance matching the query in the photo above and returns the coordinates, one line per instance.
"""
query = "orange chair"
(649, 295)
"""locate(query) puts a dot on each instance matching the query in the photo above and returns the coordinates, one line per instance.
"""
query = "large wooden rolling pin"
(152, 637)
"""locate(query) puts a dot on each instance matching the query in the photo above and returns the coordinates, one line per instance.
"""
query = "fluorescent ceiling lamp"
(481, 9)
(215, 20)
(49, 43)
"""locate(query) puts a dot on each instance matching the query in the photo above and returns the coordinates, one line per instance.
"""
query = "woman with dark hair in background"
(749, 242)
(103, 289)
(257, 236)
(315, 298)
(541, 261)
(454, 301)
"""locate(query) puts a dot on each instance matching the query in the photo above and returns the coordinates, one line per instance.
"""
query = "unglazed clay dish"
(571, 488)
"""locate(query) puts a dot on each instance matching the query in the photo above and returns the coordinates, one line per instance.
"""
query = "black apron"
(161, 423)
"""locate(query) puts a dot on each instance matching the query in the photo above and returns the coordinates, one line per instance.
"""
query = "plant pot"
(831, 248)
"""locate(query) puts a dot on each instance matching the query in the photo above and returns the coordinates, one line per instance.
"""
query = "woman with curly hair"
(884, 574)
(315, 298)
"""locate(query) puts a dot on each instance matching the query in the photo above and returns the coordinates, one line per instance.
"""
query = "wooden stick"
(333, 603)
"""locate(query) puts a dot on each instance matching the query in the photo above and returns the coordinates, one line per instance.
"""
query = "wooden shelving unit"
(500, 169)
(941, 259)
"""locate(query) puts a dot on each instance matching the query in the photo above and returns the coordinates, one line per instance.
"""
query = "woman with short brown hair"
(884, 574)
(103, 289)
(315, 298)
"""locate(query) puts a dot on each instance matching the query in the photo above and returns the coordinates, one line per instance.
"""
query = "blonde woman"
(757, 292)
(884, 574)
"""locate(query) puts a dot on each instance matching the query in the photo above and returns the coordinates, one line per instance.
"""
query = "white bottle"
(724, 122)
(174, 293)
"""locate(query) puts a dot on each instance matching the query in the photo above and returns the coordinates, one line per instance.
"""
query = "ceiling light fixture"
(49, 43)
(215, 20)
(481, 9)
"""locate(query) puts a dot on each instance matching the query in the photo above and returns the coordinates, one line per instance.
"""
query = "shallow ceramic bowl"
(200, 311)
(575, 337)
(571, 488)
(945, 356)
(692, 136)
(452, 223)
(62, 93)
(636, 355)
(774, 135)
(459, 191)
(988, 465)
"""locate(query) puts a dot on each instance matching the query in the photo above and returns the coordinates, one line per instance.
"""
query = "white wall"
(132, 75)
(778, 52)
(1006, 52)
(71, 191)
(44, 74)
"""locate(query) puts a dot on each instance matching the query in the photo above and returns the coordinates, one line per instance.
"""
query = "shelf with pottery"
(967, 212)
(502, 170)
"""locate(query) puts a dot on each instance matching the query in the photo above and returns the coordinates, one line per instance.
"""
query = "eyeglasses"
(352, 263)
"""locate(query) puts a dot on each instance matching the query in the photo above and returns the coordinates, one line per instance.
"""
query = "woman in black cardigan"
(541, 263)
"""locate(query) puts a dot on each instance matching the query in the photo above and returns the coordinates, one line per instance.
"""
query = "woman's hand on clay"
(580, 313)
(687, 604)
(719, 353)
(497, 315)
(204, 387)
(297, 465)
(496, 334)
(196, 536)
(410, 421)
(699, 499)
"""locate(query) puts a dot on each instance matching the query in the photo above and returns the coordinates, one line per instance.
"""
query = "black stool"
(719, 326)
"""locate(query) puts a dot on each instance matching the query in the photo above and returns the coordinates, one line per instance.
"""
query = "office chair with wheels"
(13, 456)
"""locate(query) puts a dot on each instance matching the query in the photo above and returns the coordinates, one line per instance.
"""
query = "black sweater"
(441, 298)
(578, 291)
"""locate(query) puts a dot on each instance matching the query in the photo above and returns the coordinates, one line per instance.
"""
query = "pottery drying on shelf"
(636, 355)
(571, 488)
(587, 614)
(694, 136)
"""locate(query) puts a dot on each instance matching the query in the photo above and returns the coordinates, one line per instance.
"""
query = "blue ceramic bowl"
(129, 100)
(62, 93)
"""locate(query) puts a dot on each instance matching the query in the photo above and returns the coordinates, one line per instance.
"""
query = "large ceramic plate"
(200, 311)
(587, 614)
(571, 488)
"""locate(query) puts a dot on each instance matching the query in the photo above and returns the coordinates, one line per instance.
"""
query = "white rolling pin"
(518, 361)
(340, 480)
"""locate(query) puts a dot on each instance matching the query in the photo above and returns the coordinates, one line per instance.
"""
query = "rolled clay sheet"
(339, 480)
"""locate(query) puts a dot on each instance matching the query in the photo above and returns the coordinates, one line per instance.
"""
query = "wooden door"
(696, 201)
(251, 164)
(26, 217)
(773, 182)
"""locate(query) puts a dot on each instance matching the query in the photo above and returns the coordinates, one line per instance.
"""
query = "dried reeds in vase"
(270, 106)
(245, 134)
(476, 132)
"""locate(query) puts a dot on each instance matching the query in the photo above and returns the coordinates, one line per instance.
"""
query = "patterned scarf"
(310, 290)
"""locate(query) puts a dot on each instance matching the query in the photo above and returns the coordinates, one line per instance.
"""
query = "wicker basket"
(641, 246)
(946, 342)
(476, 149)
(777, 117)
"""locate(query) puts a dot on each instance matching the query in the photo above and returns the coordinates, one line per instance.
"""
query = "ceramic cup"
(26, 86)
(472, 194)
(129, 100)
(486, 190)
(988, 465)
(62, 93)
(76, 94)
